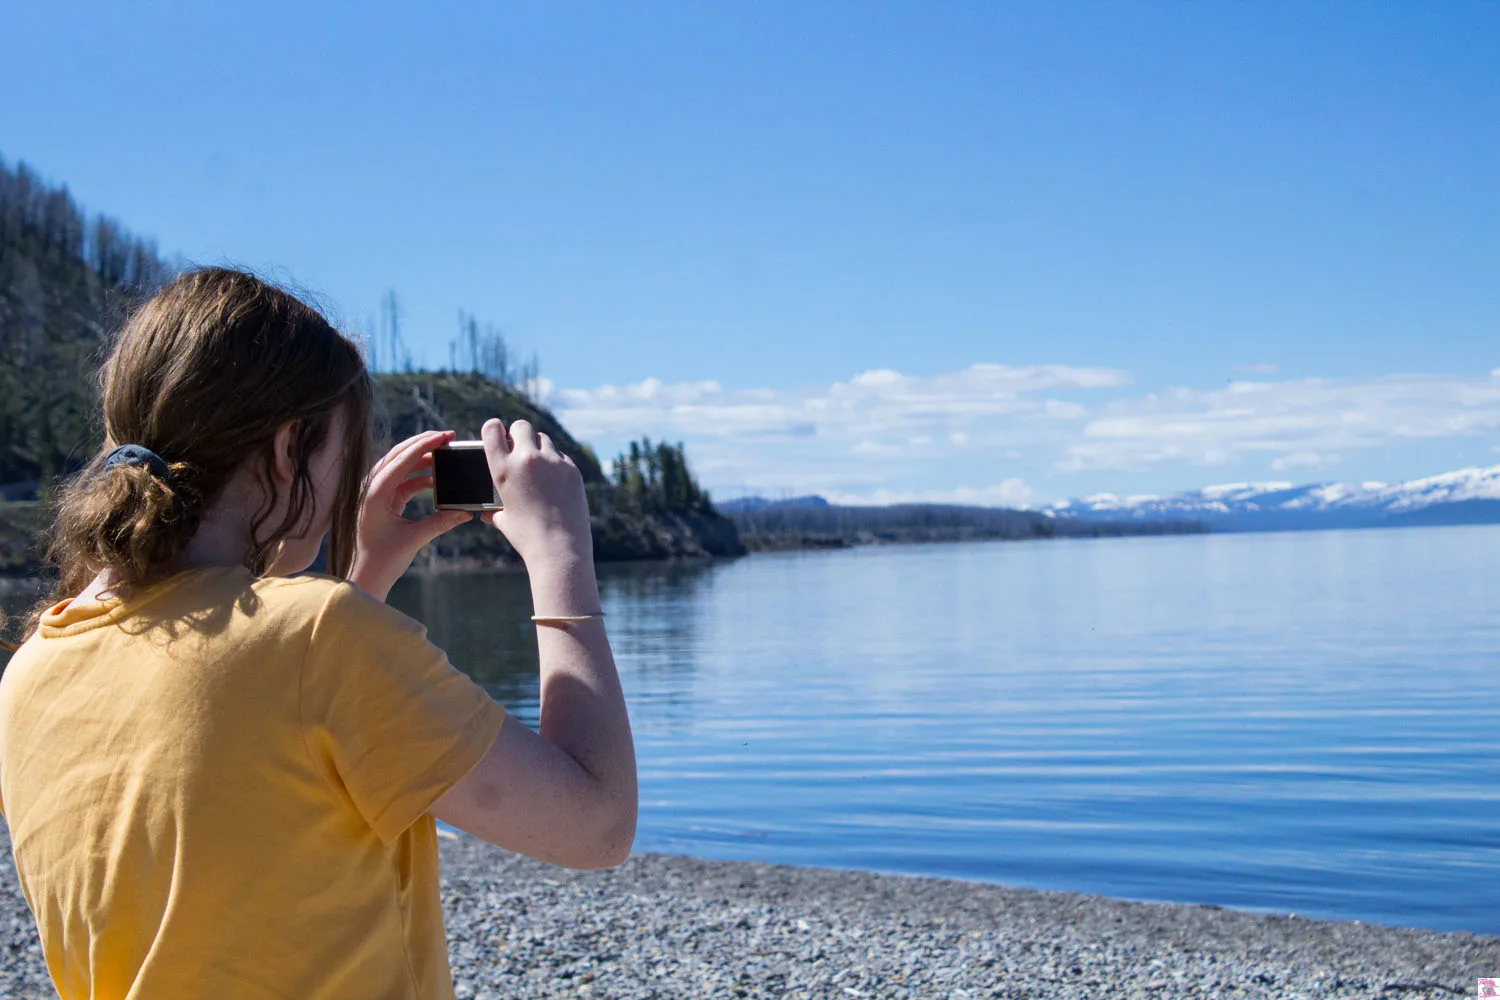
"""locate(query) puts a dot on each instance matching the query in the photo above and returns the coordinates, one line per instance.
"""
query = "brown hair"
(203, 374)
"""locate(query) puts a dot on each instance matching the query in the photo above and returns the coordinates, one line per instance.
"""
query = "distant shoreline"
(813, 523)
(791, 541)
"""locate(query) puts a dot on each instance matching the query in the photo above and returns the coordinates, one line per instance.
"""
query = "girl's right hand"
(546, 515)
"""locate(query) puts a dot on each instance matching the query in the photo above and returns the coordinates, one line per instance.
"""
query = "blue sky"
(997, 252)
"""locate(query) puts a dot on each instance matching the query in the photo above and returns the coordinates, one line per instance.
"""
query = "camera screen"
(461, 476)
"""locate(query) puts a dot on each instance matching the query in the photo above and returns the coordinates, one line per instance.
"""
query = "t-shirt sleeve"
(387, 718)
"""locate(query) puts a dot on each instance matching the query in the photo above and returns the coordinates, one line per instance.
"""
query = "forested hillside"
(67, 280)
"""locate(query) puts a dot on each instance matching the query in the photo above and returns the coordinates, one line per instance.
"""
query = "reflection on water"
(483, 620)
(1301, 722)
(656, 632)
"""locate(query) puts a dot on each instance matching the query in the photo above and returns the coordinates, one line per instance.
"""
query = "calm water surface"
(1301, 723)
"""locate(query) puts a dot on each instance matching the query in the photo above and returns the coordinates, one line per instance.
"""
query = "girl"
(221, 772)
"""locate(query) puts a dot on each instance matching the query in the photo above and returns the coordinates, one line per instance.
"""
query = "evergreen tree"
(656, 477)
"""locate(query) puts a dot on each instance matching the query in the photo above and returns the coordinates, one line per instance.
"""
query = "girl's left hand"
(386, 542)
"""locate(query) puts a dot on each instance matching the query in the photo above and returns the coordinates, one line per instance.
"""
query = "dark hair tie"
(134, 454)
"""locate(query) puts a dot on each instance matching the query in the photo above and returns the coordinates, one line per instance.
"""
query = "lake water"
(1299, 723)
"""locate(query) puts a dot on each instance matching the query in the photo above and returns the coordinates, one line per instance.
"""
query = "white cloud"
(863, 436)
(1283, 419)
(545, 390)
(872, 404)
(1010, 493)
(1303, 460)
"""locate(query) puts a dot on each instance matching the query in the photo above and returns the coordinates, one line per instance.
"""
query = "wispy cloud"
(1304, 460)
(867, 438)
(872, 406)
(1013, 492)
(1299, 423)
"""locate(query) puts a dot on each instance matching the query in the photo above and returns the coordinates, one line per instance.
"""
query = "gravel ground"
(665, 926)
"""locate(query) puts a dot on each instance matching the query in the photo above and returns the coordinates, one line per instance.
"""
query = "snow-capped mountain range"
(1468, 496)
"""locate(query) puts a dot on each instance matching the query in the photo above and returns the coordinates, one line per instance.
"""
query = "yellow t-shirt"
(220, 789)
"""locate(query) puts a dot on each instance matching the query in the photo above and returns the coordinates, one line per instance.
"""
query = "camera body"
(461, 478)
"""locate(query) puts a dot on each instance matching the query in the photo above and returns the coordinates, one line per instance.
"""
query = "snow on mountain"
(1467, 496)
(1450, 487)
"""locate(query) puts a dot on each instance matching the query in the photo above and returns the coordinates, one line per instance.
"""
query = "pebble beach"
(666, 926)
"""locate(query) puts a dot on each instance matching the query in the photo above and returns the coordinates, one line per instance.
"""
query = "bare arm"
(567, 794)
